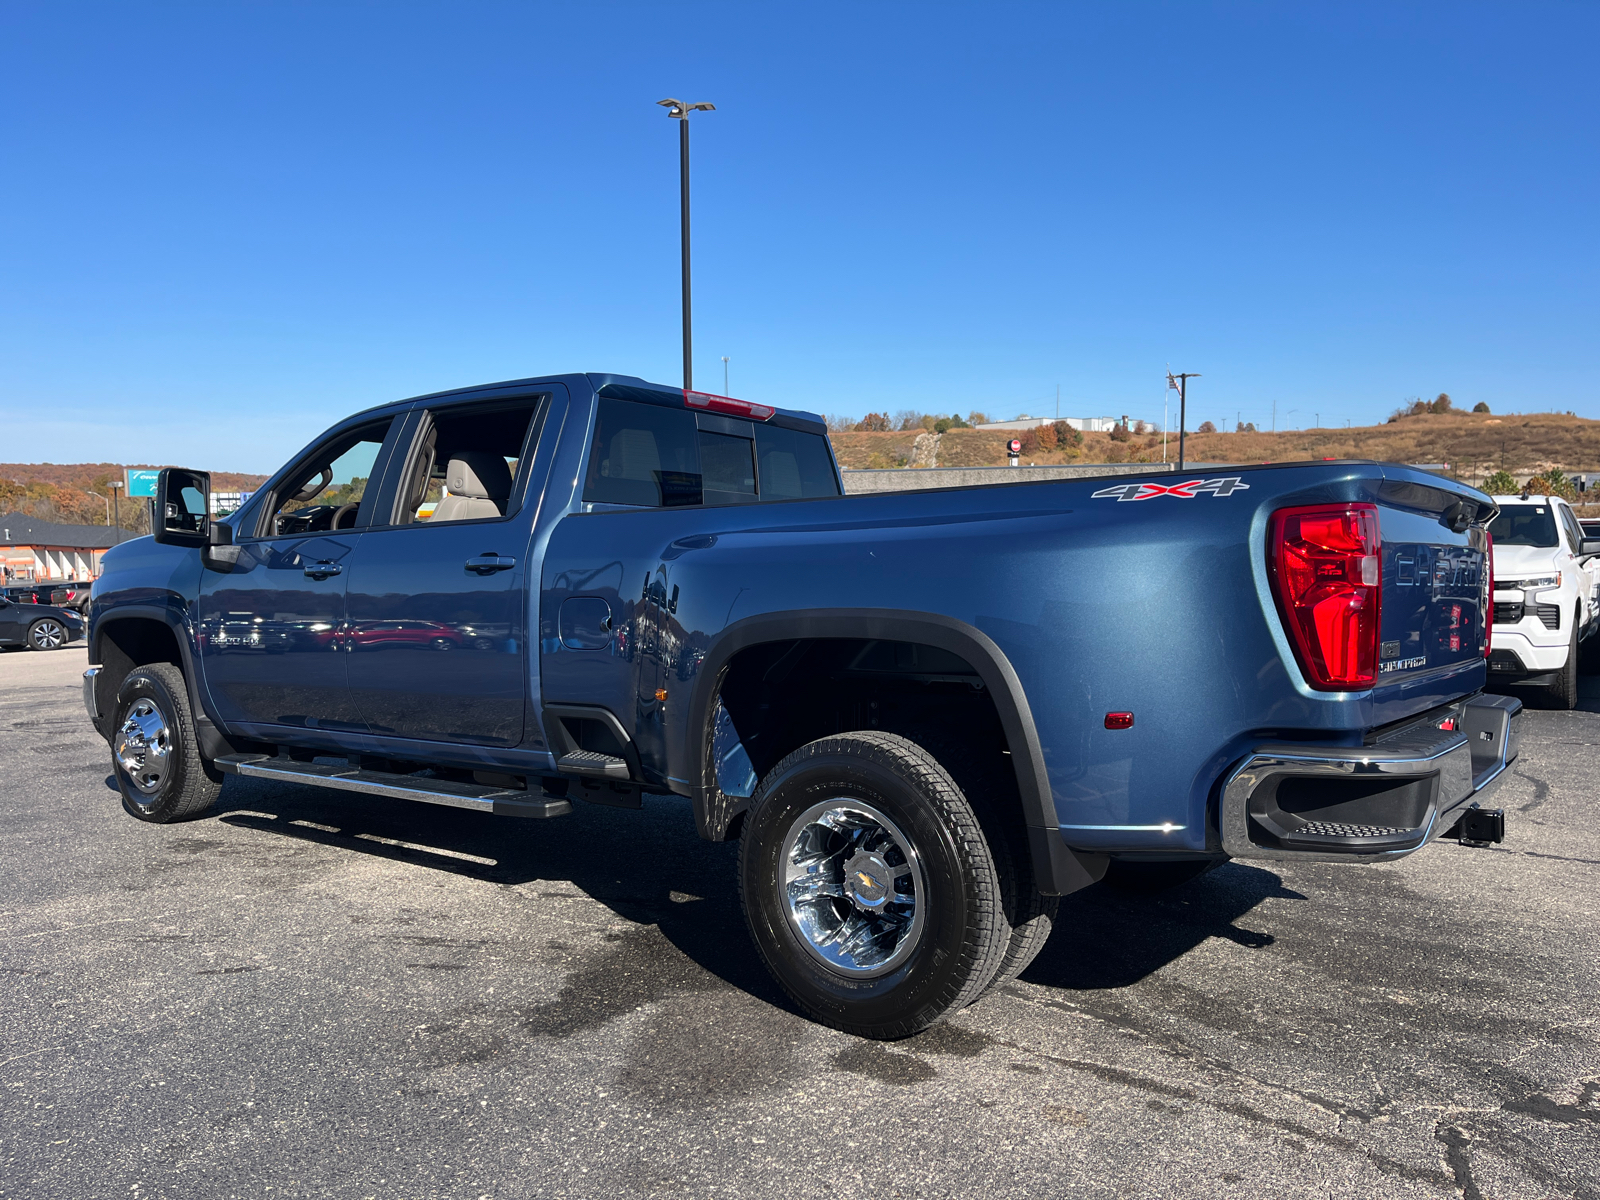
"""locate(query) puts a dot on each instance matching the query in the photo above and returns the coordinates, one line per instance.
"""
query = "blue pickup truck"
(925, 715)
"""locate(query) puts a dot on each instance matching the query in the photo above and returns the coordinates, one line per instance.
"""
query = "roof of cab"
(594, 380)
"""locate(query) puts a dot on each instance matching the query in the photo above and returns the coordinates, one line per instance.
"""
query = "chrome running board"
(506, 802)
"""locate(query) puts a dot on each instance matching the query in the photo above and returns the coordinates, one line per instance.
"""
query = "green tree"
(1480, 407)
(1501, 483)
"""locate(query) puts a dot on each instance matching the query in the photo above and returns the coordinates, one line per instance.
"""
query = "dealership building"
(32, 550)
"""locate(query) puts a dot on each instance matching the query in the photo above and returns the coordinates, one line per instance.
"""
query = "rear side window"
(643, 454)
(659, 457)
(794, 465)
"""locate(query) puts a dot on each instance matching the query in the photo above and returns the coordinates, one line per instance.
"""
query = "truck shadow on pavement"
(650, 869)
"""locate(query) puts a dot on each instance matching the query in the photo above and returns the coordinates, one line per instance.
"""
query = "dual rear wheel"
(874, 892)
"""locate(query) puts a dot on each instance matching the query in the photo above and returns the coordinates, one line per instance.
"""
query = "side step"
(502, 801)
(592, 764)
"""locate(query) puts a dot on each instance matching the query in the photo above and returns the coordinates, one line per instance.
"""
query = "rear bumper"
(1369, 803)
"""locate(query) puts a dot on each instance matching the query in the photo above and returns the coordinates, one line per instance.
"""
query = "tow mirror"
(183, 500)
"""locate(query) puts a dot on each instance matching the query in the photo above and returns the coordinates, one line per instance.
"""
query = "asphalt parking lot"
(312, 994)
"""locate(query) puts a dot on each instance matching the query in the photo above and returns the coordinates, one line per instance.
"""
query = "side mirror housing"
(183, 507)
(1589, 546)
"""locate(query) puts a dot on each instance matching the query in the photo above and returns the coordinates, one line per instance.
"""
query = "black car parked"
(38, 626)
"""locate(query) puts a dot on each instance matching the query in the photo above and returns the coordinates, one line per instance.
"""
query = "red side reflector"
(728, 405)
(1327, 573)
(1119, 720)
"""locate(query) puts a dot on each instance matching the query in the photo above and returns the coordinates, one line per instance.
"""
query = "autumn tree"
(874, 423)
(1206, 427)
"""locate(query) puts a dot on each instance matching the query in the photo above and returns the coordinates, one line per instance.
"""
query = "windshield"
(1524, 525)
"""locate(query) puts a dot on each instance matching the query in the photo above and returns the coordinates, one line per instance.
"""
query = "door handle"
(321, 570)
(488, 564)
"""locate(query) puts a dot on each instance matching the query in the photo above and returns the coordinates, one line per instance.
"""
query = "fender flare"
(1057, 868)
(172, 614)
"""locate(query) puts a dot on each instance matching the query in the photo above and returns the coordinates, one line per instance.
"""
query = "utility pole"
(1180, 381)
(679, 111)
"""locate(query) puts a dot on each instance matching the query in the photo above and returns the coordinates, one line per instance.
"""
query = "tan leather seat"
(479, 484)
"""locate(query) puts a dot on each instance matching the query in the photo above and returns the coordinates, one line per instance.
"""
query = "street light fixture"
(116, 494)
(102, 500)
(679, 111)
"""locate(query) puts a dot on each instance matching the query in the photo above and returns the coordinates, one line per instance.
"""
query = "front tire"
(47, 633)
(155, 755)
(1563, 693)
(870, 891)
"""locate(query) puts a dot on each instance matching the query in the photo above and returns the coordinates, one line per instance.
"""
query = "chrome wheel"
(47, 635)
(144, 746)
(855, 888)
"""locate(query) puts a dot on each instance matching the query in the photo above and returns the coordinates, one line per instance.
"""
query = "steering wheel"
(315, 489)
(346, 510)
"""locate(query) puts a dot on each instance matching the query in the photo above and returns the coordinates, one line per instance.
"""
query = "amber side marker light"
(1119, 720)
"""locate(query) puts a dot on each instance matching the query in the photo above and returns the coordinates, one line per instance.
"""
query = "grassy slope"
(1474, 443)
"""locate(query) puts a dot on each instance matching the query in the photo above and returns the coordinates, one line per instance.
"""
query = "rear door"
(437, 642)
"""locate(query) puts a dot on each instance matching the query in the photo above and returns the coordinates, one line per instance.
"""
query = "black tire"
(1563, 693)
(157, 763)
(986, 780)
(959, 936)
(47, 633)
(1152, 878)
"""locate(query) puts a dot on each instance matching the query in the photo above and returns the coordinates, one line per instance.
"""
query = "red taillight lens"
(1488, 590)
(1327, 575)
(727, 404)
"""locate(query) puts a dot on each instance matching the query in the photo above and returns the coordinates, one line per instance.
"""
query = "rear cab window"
(655, 455)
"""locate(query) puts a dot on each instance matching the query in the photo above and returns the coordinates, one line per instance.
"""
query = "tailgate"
(1436, 601)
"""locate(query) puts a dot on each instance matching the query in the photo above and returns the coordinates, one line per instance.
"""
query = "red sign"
(1015, 447)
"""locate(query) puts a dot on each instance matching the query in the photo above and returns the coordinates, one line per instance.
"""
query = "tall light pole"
(103, 500)
(116, 495)
(725, 390)
(1180, 381)
(679, 111)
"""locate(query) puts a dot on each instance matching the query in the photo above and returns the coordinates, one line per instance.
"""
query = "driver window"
(325, 491)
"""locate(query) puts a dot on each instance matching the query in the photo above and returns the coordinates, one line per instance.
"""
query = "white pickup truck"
(1546, 595)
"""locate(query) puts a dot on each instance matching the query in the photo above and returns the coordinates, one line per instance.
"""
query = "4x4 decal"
(1225, 486)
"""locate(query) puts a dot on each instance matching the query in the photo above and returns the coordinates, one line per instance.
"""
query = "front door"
(437, 633)
(271, 629)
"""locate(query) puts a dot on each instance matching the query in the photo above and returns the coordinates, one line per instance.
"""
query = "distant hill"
(1475, 444)
(60, 491)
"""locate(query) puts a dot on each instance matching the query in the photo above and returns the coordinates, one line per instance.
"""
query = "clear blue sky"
(226, 226)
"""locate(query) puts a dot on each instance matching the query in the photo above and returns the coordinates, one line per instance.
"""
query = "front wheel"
(155, 755)
(1563, 693)
(869, 889)
(47, 633)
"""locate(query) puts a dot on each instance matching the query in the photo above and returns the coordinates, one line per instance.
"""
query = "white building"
(1086, 424)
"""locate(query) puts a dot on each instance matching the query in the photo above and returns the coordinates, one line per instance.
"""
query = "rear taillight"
(727, 404)
(1488, 590)
(1327, 576)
